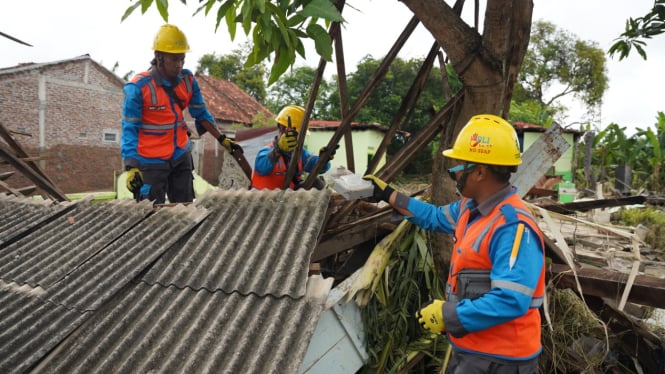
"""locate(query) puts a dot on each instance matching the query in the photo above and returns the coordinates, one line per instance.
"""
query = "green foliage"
(263, 121)
(652, 218)
(392, 332)
(277, 28)
(294, 88)
(230, 67)
(639, 29)
(384, 102)
(529, 111)
(642, 152)
(556, 58)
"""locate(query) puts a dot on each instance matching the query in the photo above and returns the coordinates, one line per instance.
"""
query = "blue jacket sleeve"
(264, 164)
(432, 217)
(132, 109)
(309, 160)
(197, 106)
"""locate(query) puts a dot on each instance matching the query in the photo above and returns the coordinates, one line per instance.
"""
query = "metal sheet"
(539, 158)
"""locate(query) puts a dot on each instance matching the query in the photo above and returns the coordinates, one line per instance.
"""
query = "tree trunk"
(487, 65)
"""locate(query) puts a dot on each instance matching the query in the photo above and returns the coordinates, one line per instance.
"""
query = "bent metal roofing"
(216, 286)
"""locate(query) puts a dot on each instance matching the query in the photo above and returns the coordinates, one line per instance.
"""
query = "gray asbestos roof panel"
(30, 328)
(219, 286)
(156, 329)
(20, 215)
(95, 281)
(256, 242)
(60, 245)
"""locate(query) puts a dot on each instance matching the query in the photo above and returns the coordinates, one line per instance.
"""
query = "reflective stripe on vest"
(471, 251)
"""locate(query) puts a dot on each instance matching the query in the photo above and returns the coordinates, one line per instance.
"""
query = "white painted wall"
(365, 143)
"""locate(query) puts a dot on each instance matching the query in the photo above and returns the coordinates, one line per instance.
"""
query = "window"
(110, 136)
(83, 135)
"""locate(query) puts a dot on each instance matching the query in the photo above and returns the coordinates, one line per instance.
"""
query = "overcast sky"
(64, 29)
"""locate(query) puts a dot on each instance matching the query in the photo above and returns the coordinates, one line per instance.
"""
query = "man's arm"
(197, 107)
(132, 110)
(265, 160)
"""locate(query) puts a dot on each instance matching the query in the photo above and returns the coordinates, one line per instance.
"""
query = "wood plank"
(646, 290)
(359, 232)
(6, 175)
(30, 172)
(582, 206)
(540, 156)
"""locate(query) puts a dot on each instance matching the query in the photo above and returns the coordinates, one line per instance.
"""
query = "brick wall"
(81, 102)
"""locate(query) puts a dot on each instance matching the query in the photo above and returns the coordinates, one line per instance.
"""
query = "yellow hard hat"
(295, 113)
(487, 139)
(170, 39)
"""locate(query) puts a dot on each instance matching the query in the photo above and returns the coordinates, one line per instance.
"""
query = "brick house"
(67, 113)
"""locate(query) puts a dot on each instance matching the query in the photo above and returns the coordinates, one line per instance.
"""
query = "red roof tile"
(227, 102)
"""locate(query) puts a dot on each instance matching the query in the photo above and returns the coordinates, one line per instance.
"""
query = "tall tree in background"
(231, 67)
(558, 64)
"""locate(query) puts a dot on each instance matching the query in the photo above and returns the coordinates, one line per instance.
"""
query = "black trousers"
(467, 363)
(173, 178)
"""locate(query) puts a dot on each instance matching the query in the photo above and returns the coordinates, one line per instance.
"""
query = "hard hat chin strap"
(461, 182)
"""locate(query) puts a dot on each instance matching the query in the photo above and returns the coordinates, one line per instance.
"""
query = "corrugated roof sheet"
(170, 330)
(19, 215)
(226, 297)
(252, 242)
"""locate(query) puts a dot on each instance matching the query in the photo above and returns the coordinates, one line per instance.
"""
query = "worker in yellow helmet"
(155, 144)
(272, 162)
(497, 276)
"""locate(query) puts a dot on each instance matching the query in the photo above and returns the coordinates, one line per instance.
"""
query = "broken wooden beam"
(646, 290)
(583, 206)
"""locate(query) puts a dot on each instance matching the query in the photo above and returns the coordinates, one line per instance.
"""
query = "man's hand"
(287, 141)
(229, 144)
(430, 317)
(382, 190)
(134, 180)
(324, 149)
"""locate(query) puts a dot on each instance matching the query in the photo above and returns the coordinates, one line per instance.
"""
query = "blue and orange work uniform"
(155, 135)
(507, 312)
(270, 172)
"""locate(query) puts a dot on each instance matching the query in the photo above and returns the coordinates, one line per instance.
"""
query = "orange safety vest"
(163, 126)
(520, 337)
(275, 180)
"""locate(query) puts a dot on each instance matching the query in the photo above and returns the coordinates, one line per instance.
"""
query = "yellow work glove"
(430, 317)
(382, 190)
(324, 149)
(287, 141)
(134, 180)
(229, 144)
